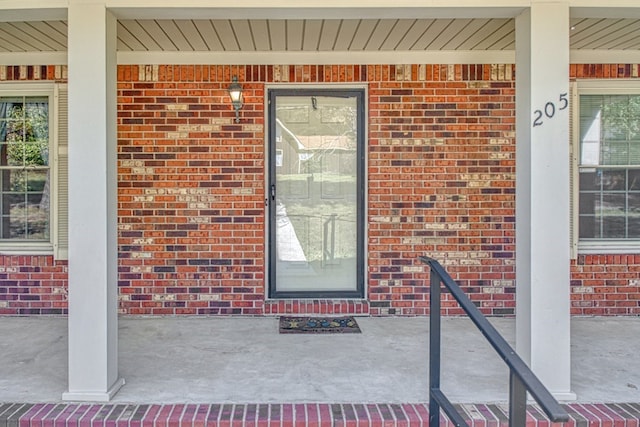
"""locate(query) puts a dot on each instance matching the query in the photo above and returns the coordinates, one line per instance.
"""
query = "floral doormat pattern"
(318, 325)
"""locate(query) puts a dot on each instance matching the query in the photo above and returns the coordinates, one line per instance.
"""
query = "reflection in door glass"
(316, 208)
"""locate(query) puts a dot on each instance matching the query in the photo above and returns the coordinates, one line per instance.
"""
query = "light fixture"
(235, 93)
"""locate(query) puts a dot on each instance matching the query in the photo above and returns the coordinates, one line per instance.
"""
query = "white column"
(93, 322)
(542, 193)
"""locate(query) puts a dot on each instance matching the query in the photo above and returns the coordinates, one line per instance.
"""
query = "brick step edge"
(294, 415)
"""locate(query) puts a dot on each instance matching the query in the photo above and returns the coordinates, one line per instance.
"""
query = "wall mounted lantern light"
(235, 93)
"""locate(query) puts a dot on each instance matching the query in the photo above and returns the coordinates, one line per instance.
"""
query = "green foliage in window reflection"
(28, 181)
(622, 117)
(621, 128)
(27, 135)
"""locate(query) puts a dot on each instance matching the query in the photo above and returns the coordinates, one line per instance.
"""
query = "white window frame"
(599, 87)
(38, 89)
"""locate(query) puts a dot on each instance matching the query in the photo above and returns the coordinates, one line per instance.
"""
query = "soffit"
(319, 35)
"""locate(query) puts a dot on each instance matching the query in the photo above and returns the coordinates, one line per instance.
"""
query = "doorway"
(316, 193)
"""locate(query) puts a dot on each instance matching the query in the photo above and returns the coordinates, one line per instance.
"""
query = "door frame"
(271, 92)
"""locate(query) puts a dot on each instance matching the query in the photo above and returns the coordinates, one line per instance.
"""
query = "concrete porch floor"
(240, 360)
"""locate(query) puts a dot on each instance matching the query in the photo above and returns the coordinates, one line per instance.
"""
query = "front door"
(316, 193)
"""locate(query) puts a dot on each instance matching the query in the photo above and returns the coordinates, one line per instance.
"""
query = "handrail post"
(521, 381)
(517, 401)
(434, 347)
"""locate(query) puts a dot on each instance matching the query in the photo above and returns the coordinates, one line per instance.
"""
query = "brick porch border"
(293, 415)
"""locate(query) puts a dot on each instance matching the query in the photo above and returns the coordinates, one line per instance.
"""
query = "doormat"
(318, 325)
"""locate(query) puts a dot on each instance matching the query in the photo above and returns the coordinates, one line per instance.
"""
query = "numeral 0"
(550, 110)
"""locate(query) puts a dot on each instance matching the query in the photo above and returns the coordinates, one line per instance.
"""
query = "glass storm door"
(316, 193)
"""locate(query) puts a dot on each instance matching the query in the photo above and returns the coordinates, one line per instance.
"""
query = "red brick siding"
(191, 197)
(441, 182)
(191, 193)
(605, 285)
(57, 73)
(32, 285)
(604, 71)
(191, 208)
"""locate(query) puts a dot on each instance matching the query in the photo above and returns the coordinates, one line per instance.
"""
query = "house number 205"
(550, 110)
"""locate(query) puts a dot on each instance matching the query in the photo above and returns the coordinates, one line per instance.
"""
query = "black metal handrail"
(521, 378)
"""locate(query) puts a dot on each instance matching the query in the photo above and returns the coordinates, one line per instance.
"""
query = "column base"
(93, 396)
(565, 396)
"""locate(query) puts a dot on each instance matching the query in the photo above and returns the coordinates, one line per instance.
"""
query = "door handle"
(273, 191)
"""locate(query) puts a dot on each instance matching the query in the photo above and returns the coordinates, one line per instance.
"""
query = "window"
(29, 175)
(609, 169)
(24, 168)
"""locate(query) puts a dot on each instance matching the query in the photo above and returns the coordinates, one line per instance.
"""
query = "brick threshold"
(293, 415)
(301, 306)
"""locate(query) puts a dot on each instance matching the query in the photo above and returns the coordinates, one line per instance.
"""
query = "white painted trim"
(54, 135)
(315, 13)
(32, 4)
(606, 12)
(60, 248)
(28, 88)
(366, 58)
(604, 9)
(29, 10)
(33, 10)
(315, 9)
(323, 4)
(28, 250)
(609, 247)
(586, 56)
(318, 58)
(608, 87)
(33, 58)
(94, 396)
(574, 146)
(22, 15)
(603, 3)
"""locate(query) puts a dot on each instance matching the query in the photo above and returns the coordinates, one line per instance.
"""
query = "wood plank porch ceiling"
(319, 35)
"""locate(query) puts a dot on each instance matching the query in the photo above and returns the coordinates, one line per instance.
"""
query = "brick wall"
(441, 182)
(191, 206)
(605, 285)
(191, 193)
(32, 285)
